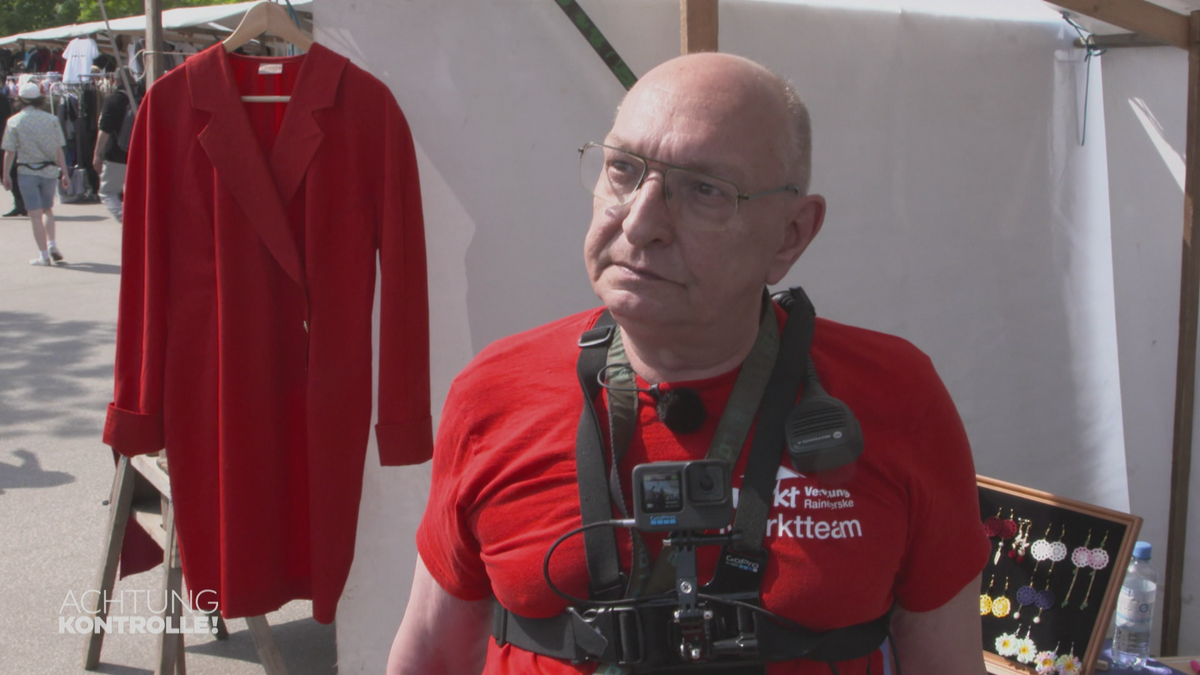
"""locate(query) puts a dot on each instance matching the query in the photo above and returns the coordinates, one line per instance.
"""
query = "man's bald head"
(751, 94)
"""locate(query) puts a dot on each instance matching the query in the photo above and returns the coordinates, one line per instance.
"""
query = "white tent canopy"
(215, 18)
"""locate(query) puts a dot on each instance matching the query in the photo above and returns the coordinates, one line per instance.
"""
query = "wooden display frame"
(994, 492)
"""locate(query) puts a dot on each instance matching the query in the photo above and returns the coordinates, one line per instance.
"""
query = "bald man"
(701, 201)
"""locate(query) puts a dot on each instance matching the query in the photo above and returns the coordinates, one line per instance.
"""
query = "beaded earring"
(1098, 560)
(1021, 543)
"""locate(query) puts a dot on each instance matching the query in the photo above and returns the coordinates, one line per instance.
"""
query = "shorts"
(37, 192)
(112, 178)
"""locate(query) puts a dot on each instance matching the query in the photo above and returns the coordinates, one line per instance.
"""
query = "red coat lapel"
(260, 188)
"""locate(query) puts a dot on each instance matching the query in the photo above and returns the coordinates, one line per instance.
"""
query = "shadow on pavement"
(95, 268)
(48, 372)
(29, 473)
(80, 218)
(308, 647)
(114, 669)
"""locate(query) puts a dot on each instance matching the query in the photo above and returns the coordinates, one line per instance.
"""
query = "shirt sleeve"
(946, 546)
(445, 540)
(9, 142)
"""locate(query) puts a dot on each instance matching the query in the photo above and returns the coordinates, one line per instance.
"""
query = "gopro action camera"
(682, 496)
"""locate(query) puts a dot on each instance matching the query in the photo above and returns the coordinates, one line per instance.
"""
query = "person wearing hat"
(33, 141)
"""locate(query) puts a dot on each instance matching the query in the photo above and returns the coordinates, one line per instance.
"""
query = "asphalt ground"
(57, 335)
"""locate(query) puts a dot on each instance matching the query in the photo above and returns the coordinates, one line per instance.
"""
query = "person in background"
(18, 209)
(33, 141)
(112, 143)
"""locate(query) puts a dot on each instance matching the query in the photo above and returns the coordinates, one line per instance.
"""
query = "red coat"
(244, 331)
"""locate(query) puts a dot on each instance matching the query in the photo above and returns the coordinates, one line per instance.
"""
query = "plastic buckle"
(596, 337)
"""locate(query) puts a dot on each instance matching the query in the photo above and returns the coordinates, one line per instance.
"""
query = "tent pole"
(154, 41)
(697, 26)
(1185, 376)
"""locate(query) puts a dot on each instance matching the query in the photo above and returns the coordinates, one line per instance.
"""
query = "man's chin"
(640, 307)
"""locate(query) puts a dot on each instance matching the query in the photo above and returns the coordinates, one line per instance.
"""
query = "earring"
(1080, 558)
(1001, 605)
(1069, 664)
(1021, 543)
(1005, 529)
(1098, 560)
(1044, 599)
(1046, 663)
(1026, 651)
(1006, 644)
(985, 600)
(1026, 595)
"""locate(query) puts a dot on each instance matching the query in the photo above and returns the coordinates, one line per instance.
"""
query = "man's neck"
(692, 353)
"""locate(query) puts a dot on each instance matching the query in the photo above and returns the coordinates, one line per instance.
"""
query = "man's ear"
(805, 221)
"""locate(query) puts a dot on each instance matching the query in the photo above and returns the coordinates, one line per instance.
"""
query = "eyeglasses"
(693, 198)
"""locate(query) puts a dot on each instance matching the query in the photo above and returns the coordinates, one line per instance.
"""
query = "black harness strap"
(758, 483)
(631, 634)
(600, 544)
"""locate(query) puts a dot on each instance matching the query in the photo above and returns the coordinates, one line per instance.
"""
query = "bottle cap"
(1142, 550)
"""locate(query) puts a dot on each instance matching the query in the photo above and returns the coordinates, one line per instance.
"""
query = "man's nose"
(649, 217)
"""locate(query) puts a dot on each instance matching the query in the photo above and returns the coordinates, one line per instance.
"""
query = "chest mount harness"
(656, 619)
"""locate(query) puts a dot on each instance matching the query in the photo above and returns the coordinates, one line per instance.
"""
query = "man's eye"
(618, 167)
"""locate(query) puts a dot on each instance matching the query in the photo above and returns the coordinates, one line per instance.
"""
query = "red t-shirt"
(902, 526)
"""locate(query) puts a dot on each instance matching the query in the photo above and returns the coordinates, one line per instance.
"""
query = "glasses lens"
(701, 201)
(610, 174)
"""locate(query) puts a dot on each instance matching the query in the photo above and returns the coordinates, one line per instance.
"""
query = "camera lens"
(707, 482)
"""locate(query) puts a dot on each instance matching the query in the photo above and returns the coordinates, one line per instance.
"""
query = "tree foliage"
(22, 16)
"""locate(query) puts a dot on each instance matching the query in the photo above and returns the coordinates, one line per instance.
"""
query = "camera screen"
(661, 492)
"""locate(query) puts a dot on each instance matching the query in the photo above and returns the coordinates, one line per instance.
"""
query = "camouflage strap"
(598, 42)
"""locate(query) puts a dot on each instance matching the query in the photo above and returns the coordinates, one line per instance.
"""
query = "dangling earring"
(1080, 558)
(1005, 529)
(985, 600)
(1001, 605)
(1069, 664)
(1098, 560)
(1006, 644)
(1021, 543)
(1026, 650)
(1046, 663)
(1045, 550)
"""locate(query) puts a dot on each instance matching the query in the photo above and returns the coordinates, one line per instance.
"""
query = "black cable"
(581, 601)
(833, 668)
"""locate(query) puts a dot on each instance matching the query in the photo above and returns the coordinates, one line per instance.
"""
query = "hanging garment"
(251, 237)
(79, 55)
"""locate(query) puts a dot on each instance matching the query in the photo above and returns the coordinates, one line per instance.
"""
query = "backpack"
(126, 128)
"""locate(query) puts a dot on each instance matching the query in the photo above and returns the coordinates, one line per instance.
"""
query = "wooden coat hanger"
(267, 17)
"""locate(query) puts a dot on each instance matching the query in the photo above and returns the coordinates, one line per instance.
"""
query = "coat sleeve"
(404, 430)
(134, 424)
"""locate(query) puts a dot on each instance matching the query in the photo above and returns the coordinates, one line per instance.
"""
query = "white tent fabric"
(215, 18)
(964, 215)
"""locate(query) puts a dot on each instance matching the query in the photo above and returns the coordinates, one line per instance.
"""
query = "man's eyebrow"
(714, 169)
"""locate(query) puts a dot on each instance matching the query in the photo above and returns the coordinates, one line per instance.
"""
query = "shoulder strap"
(600, 544)
(778, 399)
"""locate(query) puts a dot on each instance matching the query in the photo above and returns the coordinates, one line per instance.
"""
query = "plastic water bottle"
(1135, 610)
